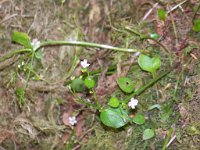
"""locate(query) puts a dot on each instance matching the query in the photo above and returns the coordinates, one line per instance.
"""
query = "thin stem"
(173, 25)
(13, 53)
(143, 88)
(196, 13)
(167, 139)
(147, 37)
(179, 77)
(154, 75)
(87, 44)
(29, 72)
(96, 100)
(83, 101)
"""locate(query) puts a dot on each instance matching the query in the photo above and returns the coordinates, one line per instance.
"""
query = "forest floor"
(36, 100)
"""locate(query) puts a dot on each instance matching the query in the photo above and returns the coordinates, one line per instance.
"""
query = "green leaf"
(21, 38)
(89, 82)
(77, 85)
(196, 26)
(191, 47)
(161, 14)
(155, 106)
(20, 92)
(145, 62)
(139, 119)
(113, 102)
(156, 62)
(148, 133)
(114, 117)
(126, 84)
(149, 64)
(155, 36)
(38, 54)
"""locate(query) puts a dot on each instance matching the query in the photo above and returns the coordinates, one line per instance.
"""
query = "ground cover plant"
(99, 74)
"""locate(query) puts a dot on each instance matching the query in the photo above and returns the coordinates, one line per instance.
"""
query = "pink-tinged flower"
(72, 120)
(84, 63)
(133, 103)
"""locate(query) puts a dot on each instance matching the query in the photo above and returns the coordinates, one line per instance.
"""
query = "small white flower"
(84, 63)
(88, 100)
(72, 120)
(133, 103)
(35, 43)
(19, 66)
(137, 54)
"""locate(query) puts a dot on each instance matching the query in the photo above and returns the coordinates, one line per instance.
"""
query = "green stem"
(195, 14)
(96, 100)
(154, 75)
(29, 71)
(86, 44)
(143, 88)
(147, 37)
(167, 139)
(13, 53)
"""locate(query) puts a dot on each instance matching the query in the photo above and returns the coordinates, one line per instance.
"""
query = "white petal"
(133, 103)
(35, 43)
(72, 120)
(84, 63)
(137, 54)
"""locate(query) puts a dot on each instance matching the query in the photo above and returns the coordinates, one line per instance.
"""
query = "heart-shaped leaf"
(113, 102)
(145, 62)
(139, 119)
(114, 117)
(149, 64)
(126, 84)
(89, 82)
(77, 85)
(148, 133)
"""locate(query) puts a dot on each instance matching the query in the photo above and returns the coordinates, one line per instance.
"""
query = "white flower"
(137, 53)
(72, 120)
(133, 103)
(84, 63)
(35, 43)
(88, 100)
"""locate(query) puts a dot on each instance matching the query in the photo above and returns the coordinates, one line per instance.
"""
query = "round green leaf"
(145, 62)
(148, 133)
(77, 85)
(149, 64)
(114, 117)
(89, 82)
(126, 84)
(139, 119)
(113, 102)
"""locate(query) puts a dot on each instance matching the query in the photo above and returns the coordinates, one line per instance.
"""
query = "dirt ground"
(42, 122)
